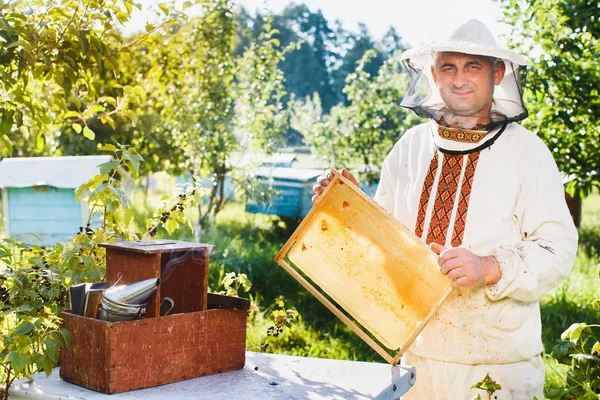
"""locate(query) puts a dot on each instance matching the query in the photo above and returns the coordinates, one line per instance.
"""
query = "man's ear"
(499, 72)
(433, 74)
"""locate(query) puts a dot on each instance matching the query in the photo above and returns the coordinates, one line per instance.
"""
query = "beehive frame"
(346, 221)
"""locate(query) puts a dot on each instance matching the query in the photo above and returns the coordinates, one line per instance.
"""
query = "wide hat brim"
(419, 56)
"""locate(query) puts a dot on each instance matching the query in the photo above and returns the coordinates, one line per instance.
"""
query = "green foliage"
(365, 131)
(580, 351)
(51, 55)
(487, 384)
(29, 326)
(563, 81)
(237, 280)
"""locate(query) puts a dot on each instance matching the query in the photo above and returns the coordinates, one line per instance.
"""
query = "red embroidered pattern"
(444, 200)
(461, 135)
(425, 193)
(463, 202)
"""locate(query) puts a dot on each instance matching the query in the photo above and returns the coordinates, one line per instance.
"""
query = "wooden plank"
(132, 267)
(157, 246)
(221, 301)
(123, 356)
(187, 285)
(86, 361)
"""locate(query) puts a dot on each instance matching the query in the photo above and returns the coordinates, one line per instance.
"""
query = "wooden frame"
(359, 330)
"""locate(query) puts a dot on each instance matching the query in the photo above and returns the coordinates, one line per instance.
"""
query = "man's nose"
(460, 78)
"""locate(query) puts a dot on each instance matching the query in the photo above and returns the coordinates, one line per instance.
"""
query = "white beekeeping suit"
(493, 188)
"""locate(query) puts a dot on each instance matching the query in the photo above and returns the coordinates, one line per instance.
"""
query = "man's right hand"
(323, 181)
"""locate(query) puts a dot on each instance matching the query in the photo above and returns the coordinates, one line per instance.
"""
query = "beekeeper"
(486, 194)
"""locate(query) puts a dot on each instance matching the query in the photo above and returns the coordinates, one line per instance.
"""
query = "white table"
(277, 377)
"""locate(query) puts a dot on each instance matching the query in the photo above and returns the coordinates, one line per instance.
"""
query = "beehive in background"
(377, 271)
(38, 197)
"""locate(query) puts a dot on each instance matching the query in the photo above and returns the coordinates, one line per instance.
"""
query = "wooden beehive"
(204, 334)
(371, 271)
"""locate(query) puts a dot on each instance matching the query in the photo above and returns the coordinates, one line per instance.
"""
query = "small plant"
(487, 384)
(29, 322)
(579, 349)
(232, 283)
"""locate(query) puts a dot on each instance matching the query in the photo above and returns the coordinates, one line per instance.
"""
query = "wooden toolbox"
(204, 334)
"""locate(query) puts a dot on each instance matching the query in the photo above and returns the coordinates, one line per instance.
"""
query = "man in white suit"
(486, 194)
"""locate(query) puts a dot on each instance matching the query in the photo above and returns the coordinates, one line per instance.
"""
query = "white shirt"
(516, 212)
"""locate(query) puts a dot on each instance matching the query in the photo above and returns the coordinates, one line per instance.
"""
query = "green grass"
(569, 302)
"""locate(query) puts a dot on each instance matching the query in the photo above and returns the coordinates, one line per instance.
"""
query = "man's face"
(466, 82)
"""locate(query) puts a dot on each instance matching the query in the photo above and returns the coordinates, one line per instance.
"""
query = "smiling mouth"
(461, 94)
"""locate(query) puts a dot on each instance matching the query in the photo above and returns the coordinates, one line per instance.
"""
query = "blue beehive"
(38, 197)
(293, 191)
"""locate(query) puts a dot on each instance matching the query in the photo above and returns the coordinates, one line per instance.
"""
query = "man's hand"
(324, 180)
(465, 268)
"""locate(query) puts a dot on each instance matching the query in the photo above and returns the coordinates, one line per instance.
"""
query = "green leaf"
(7, 147)
(108, 147)
(71, 114)
(228, 279)
(47, 365)
(244, 281)
(77, 128)
(131, 115)
(106, 167)
(52, 348)
(171, 225)
(573, 333)
(40, 143)
(487, 384)
(24, 328)
(88, 133)
(25, 131)
(66, 336)
(135, 161)
(23, 43)
(164, 8)
(17, 361)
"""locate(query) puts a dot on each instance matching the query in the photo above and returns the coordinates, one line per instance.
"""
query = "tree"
(364, 131)
(212, 104)
(563, 80)
(50, 53)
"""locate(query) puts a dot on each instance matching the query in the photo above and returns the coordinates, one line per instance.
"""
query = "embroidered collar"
(461, 135)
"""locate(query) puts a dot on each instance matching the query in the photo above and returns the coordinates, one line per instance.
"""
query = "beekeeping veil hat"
(474, 38)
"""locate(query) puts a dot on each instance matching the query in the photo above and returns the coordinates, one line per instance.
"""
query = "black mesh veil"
(424, 96)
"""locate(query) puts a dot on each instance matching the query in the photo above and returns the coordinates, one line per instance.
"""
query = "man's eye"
(447, 69)
(474, 67)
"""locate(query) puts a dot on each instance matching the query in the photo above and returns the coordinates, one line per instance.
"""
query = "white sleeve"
(546, 252)
(385, 194)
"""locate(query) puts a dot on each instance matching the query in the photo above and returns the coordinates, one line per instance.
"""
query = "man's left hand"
(465, 268)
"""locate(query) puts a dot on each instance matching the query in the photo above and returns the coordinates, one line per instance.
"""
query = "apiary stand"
(265, 377)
